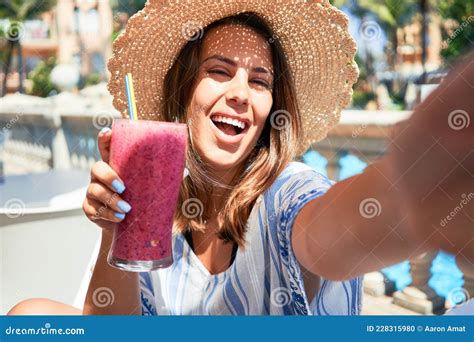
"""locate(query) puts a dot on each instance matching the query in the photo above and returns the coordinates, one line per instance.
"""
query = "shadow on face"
(232, 95)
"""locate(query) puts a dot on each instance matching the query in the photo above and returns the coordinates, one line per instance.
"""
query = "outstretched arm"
(419, 196)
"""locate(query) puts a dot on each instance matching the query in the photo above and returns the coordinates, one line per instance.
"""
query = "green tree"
(461, 39)
(17, 11)
(363, 92)
(42, 85)
(391, 14)
(3, 45)
(128, 6)
(121, 9)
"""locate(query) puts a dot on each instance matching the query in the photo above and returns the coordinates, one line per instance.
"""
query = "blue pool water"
(446, 276)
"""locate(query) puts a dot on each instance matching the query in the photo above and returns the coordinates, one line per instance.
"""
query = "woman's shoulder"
(297, 173)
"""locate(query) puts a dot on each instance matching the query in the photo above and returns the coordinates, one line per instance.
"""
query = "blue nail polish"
(120, 216)
(124, 206)
(118, 186)
(105, 130)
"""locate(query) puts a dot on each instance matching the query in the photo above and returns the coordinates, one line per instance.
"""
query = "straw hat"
(313, 34)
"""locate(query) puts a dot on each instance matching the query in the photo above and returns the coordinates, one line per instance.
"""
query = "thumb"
(103, 143)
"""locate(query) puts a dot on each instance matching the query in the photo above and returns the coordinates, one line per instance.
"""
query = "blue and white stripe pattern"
(265, 277)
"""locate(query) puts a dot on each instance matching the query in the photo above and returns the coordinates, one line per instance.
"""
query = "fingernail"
(120, 216)
(118, 186)
(185, 173)
(104, 130)
(124, 206)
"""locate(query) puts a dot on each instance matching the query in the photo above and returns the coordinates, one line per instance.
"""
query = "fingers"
(100, 193)
(103, 143)
(101, 172)
(97, 212)
(103, 204)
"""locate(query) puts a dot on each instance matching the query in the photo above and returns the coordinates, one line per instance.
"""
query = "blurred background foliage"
(385, 80)
(461, 12)
(42, 85)
(456, 18)
(17, 12)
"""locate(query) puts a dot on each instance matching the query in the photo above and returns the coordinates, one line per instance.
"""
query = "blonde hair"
(274, 150)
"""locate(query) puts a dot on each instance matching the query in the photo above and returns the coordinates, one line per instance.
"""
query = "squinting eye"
(219, 72)
(262, 83)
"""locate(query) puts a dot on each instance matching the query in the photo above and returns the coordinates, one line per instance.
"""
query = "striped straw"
(132, 106)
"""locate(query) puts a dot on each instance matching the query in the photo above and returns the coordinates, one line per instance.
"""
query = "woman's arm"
(358, 226)
(111, 291)
(394, 210)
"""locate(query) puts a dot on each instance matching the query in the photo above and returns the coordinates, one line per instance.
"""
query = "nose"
(238, 92)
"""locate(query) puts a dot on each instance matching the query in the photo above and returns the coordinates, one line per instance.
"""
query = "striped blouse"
(265, 277)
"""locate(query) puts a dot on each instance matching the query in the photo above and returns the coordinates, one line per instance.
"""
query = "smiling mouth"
(229, 128)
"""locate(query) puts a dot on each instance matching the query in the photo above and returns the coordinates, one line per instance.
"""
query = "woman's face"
(232, 95)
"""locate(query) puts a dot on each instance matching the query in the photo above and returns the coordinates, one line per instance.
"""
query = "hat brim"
(314, 36)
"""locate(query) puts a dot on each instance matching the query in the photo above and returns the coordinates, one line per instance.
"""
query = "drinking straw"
(129, 98)
(132, 92)
(132, 107)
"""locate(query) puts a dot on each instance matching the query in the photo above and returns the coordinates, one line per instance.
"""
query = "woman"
(275, 237)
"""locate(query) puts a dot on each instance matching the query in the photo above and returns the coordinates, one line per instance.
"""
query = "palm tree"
(461, 12)
(17, 11)
(391, 14)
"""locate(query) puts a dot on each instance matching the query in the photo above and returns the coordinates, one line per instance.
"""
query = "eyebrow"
(229, 61)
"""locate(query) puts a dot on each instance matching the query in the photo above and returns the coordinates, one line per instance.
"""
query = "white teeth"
(229, 121)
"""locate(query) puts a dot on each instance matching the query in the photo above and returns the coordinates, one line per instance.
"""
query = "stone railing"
(41, 134)
(364, 134)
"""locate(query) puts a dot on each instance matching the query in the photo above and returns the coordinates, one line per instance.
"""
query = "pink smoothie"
(149, 156)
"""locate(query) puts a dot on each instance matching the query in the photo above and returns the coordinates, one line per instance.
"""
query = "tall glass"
(149, 156)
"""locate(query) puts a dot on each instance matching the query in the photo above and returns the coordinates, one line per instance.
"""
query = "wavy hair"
(275, 148)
